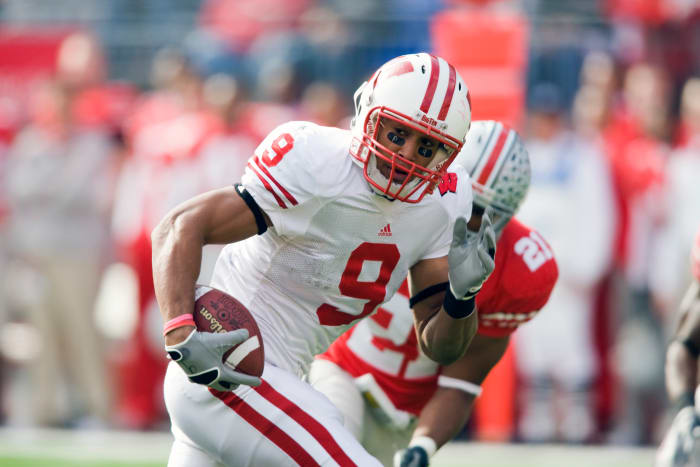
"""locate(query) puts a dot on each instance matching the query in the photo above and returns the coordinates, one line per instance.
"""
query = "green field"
(56, 462)
(58, 448)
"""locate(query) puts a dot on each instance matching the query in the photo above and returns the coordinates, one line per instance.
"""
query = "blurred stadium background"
(113, 111)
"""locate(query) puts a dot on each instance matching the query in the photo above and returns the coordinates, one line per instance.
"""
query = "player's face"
(408, 143)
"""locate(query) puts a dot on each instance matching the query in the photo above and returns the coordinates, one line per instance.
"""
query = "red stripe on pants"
(266, 427)
(313, 426)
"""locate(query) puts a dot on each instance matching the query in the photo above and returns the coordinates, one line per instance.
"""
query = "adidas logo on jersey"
(385, 232)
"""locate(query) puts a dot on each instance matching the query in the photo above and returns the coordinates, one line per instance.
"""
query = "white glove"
(471, 256)
(411, 457)
(677, 446)
(200, 356)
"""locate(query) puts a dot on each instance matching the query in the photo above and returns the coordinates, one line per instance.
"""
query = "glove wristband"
(457, 308)
(426, 442)
(178, 322)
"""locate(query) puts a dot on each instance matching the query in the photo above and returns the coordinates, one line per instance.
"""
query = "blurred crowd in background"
(112, 112)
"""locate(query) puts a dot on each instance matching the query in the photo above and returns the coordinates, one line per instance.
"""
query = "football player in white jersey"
(681, 445)
(389, 392)
(341, 218)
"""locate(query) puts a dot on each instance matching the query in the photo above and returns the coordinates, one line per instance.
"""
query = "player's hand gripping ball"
(226, 349)
(218, 312)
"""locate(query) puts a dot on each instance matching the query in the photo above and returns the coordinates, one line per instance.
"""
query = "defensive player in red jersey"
(375, 373)
(680, 446)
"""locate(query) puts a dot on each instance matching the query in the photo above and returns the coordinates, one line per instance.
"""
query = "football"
(216, 311)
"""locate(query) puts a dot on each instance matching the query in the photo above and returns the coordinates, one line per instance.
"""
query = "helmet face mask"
(393, 175)
(499, 167)
(405, 93)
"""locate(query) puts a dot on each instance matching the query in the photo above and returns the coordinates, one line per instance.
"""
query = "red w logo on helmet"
(448, 183)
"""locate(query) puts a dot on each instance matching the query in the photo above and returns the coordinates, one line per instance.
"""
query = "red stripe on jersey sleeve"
(268, 186)
(271, 431)
(286, 194)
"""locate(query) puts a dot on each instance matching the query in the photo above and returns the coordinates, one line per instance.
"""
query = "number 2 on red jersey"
(534, 250)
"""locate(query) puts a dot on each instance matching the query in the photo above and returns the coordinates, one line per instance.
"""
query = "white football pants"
(282, 422)
(339, 386)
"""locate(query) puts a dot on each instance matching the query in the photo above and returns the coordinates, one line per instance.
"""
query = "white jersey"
(336, 250)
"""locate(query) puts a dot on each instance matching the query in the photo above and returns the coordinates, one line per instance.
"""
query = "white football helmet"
(420, 91)
(499, 167)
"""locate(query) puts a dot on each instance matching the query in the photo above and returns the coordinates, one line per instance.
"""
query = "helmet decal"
(398, 69)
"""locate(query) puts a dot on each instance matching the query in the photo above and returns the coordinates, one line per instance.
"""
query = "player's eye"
(428, 143)
(396, 139)
(425, 152)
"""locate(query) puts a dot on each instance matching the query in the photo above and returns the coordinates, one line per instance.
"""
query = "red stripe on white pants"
(271, 431)
(277, 435)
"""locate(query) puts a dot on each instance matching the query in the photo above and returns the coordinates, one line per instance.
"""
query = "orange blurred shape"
(494, 411)
(489, 49)
(496, 93)
(481, 38)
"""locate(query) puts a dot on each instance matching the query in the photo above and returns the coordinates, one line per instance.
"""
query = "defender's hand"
(201, 354)
(471, 256)
(412, 457)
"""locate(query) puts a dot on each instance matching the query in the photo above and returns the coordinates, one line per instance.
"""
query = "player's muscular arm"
(219, 216)
(441, 337)
(447, 322)
(448, 410)
(682, 353)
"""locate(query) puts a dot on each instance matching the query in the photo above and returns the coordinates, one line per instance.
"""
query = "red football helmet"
(424, 93)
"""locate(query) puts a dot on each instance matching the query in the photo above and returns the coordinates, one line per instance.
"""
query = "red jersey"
(386, 345)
